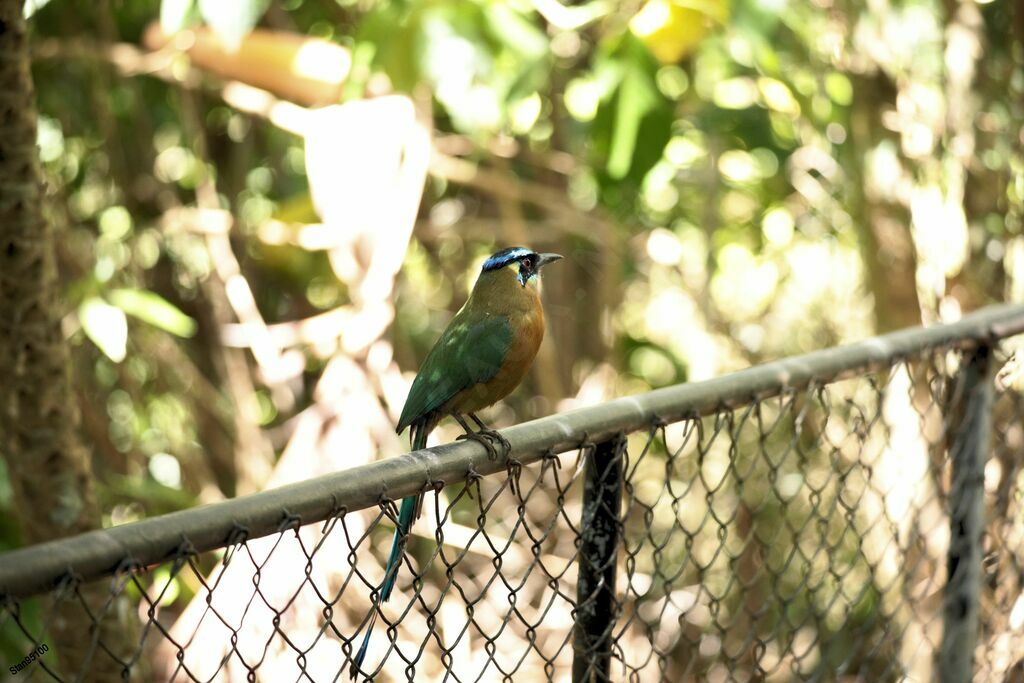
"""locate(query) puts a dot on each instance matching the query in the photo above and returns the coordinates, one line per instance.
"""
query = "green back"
(468, 352)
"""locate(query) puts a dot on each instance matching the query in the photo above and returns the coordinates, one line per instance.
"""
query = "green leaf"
(176, 15)
(232, 20)
(634, 101)
(515, 31)
(634, 120)
(153, 309)
(395, 32)
(106, 326)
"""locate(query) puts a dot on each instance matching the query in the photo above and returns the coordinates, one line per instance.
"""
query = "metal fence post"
(971, 442)
(597, 606)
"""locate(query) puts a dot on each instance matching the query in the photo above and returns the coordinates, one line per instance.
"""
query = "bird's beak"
(544, 259)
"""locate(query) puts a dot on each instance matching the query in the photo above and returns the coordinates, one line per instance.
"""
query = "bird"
(482, 355)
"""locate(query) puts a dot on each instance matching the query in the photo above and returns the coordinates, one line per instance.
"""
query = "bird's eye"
(527, 263)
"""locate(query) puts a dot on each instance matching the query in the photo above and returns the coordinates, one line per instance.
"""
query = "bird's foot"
(482, 440)
(506, 447)
(488, 438)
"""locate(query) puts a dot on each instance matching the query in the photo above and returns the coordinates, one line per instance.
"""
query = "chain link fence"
(849, 515)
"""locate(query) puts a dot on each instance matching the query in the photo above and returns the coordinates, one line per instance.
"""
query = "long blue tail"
(407, 514)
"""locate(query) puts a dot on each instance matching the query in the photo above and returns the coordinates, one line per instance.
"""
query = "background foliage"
(730, 181)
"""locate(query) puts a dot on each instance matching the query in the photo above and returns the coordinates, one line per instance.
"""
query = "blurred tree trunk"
(49, 469)
(886, 243)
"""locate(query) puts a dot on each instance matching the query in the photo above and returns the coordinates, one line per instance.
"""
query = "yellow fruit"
(671, 29)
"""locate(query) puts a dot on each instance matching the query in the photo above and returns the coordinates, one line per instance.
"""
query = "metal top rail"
(95, 554)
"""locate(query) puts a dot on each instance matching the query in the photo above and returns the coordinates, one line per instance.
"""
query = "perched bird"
(479, 359)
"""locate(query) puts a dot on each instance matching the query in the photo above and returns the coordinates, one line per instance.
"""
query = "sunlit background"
(269, 209)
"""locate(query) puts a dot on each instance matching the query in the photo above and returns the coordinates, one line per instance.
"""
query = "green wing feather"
(468, 352)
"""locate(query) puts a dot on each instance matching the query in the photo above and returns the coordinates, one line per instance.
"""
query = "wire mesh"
(802, 536)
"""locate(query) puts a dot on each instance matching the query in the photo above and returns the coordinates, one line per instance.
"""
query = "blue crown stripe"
(505, 257)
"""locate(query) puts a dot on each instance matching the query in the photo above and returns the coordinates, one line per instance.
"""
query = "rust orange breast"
(527, 334)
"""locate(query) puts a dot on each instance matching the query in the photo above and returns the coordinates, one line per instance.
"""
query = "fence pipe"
(95, 554)
(972, 409)
(596, 601)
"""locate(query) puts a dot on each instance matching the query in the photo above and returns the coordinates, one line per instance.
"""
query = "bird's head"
(525, 262)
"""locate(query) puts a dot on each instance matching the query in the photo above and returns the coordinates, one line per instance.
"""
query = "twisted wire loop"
(796, 536)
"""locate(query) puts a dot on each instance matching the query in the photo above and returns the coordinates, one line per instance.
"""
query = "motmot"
(481, 356)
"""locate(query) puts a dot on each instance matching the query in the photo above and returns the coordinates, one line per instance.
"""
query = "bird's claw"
(487, 438)
(482, 440)
(506, 447)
